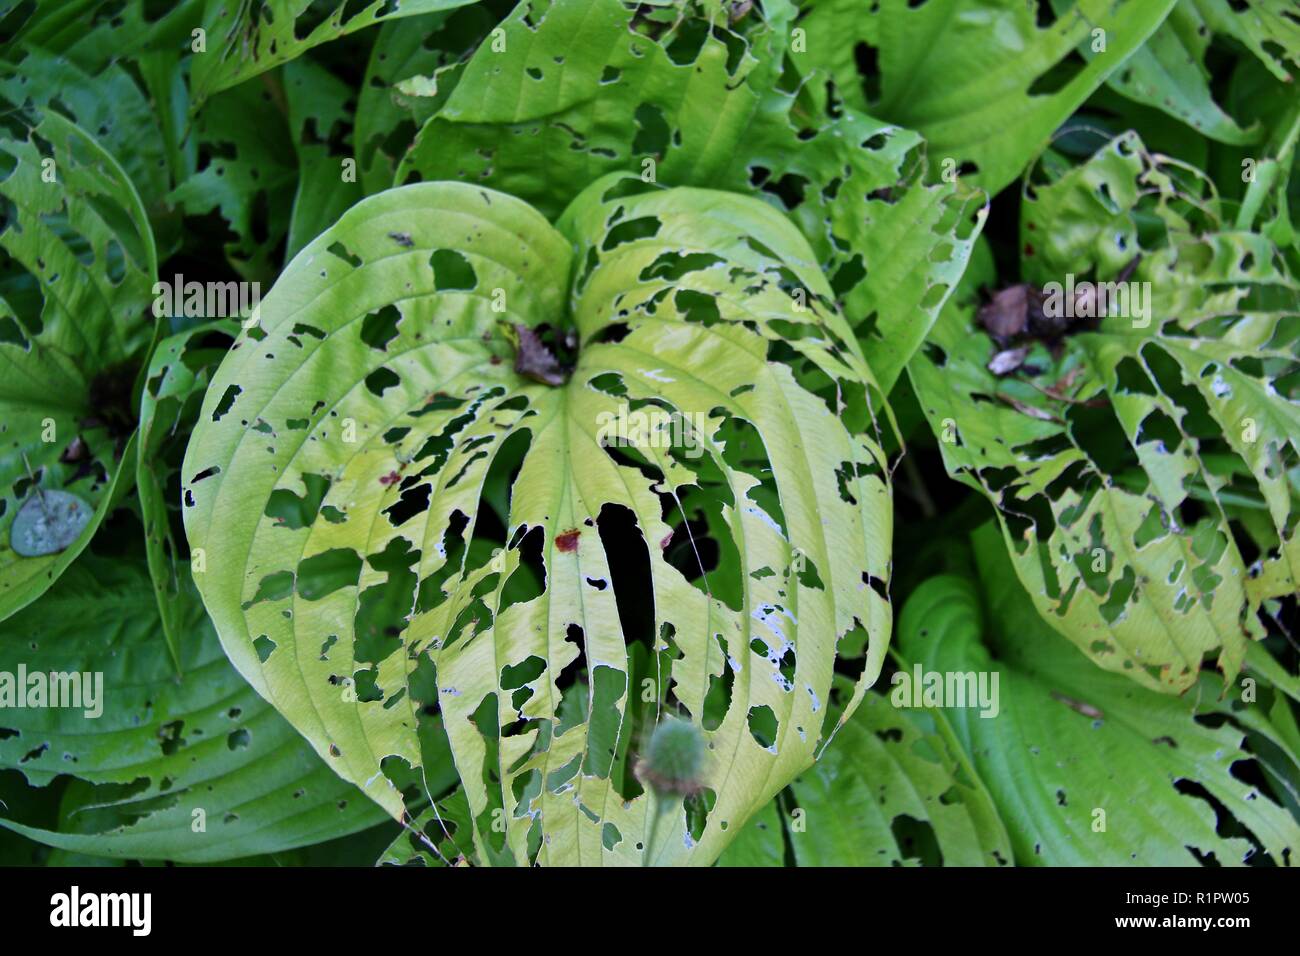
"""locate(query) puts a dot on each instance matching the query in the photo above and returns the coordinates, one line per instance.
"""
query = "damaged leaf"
(1085, 768)
(710, 107)
(417, 517)
(246, 40)
(178, 375)
(986, 82)
(1122, 464)
(158, 754)
(75, 289)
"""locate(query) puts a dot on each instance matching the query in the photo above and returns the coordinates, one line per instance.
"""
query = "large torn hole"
(383, 610)
(629, 566)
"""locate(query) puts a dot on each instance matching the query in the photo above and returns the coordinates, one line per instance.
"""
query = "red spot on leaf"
(1029, 250)
(390, 479)
(668, 539)
(568, 541)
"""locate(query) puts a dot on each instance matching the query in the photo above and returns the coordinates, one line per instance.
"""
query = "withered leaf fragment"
(1007, 360)
(1012, 312)
(534, 360)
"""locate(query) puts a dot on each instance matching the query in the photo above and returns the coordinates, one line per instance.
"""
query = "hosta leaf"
(895, 789)
(1268, 28)
(246, 38)
(247, 174)
(109, 103)
(543, 108)
(386, 121)
(1169, 73)
(347, 453)
(1085, 767)
(179, 372)
(93, 33)
(320, 121)
(76, 275)
(761, 842)
(432, 838)
(161, 749)
(1115, 452)
(986, 82)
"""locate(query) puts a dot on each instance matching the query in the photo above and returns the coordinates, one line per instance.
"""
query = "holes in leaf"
(572, 682)
(695, 306)
(381, 380)
(652, 131)
(1160, 428)
(341, 251)
(452, 272)
(263, 645)
(1120, 593)
(380, 327)
(452, 549)
(916, 840)
(674, 266)
(763, 726)
(848, 276)
(227, 401)
(608, 686)
(718, 699)
(629, 562)
(528, 581)
(867, 60)
(630, 230)
(517, 677)
(273, 587)
(790, 188)
(413, 501)
(170, 736)
(323, 574)
(1058, 76)
(383, 609)
(744, 451)
(293, 511)
(1099, 435)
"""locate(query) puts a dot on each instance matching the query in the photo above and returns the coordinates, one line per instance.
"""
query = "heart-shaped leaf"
(395, 518)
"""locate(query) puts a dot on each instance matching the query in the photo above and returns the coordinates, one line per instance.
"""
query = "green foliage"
(700, 289)
(1085, 768)
(249, 40)
(468, 433)
(1118, 464)
(715, 108)
(986, 82)
(80, 264)
(195, 771)
(894, 790)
